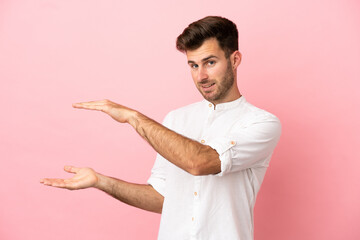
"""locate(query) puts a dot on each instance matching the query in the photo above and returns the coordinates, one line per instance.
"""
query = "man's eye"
(210, 63)
(194, 66)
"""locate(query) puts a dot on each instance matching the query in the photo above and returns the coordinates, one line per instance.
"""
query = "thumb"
(71, 169)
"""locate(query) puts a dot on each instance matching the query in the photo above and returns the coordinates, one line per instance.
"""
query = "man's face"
(211, 71)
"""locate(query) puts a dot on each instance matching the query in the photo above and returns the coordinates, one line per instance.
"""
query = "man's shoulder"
(180, 114)
(255, 113)
(193, 107)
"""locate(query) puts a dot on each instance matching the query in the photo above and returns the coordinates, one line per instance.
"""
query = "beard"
(223, 86)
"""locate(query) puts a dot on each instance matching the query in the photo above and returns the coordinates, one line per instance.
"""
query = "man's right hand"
(83, 178)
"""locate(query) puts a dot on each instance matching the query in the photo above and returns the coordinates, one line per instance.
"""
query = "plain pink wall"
(301, 61)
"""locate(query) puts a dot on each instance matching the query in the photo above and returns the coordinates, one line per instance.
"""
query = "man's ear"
(235, 59)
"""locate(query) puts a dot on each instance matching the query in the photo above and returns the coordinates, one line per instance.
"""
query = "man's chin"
(210, 97)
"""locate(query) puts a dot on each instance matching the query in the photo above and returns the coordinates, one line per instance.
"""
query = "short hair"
(196, 33)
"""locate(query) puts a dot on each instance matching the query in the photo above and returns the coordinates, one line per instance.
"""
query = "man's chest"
(209, 124)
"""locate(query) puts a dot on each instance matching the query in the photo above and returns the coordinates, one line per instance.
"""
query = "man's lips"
(207, 86)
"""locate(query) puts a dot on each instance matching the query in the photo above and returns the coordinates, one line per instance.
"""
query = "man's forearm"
(189, 155)
(137, 195)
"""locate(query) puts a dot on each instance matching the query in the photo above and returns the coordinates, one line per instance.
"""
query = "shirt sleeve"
(158, 173)
(249, 146)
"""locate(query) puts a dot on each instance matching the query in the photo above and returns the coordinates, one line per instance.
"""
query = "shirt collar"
(226, 105)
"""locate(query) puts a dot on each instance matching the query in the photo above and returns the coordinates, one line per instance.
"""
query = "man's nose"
(202, 74)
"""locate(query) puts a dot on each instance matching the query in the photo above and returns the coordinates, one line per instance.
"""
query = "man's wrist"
(133, 119)
(100, 181)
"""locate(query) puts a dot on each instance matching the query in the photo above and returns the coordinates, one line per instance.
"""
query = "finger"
(54, 182)
(92, 103)
(89, 106)
(96, 102)
(71, 169)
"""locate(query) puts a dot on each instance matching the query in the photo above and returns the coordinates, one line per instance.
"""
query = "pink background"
(301, 61)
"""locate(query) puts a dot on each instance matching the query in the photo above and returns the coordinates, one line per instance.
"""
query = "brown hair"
(196, 33)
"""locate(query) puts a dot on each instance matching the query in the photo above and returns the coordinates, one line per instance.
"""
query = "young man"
(212, 155)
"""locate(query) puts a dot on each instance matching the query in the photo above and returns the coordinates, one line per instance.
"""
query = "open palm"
(83, 178)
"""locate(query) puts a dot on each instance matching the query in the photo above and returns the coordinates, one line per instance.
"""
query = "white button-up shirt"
(220, 206)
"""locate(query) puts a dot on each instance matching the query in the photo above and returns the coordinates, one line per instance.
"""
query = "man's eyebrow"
(204, 59)
(207, 58)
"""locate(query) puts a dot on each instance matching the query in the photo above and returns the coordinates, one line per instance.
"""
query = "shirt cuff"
(158, 184)
(222, 146)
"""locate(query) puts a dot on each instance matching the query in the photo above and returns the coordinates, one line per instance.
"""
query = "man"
(212, 155)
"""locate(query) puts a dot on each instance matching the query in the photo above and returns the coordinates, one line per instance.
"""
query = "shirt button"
(195, 193)
(232, 142)
(202, 141)
(210, 105)
(192, 219)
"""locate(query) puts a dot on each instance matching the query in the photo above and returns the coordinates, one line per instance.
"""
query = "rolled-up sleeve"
(158, 175)
(247, 147)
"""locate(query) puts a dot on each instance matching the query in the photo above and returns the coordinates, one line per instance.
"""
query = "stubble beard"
(223, 87)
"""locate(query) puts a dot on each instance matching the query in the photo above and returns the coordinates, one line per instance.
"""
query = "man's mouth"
(206, 86)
